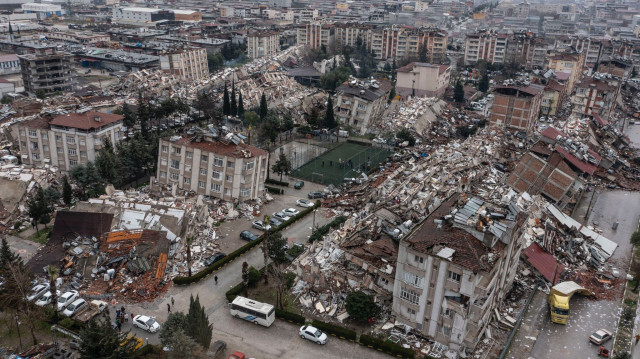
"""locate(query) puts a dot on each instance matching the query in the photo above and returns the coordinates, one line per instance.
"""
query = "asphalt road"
(587, 316)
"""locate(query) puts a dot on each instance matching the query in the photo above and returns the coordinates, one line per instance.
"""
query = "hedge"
(317, 235)
(341, 332)
(290, 317)
(232, 293)
(276, 182)
(274, 190)
(387, 347)
(240, 251)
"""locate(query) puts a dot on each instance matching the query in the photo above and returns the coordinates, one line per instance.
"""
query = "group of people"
(121, 317)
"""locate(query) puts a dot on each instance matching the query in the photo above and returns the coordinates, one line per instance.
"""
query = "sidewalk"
(530, 327)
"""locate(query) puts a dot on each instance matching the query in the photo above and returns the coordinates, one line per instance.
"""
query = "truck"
(559, 298)
(94, 308)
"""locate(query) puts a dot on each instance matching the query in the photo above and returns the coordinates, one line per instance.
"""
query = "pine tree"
(282, 166)
(240, 104)
(458, 92)
(483, 85)
(106, 162)
(198, 326)
(264, 109)
(329, 119)
(67, 193)
(39, 208)
(6, 255)
(129, 119)
(234, 105)
(392, 94)
(101, 341)
(226, 106)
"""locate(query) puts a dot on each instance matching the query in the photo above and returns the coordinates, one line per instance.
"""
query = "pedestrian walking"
(122, 317)
(122, 309)
(117, 313)
(215, 278)
(637, 338)
(168, 308)
(131, 317)
(119, 327)
(172, 302)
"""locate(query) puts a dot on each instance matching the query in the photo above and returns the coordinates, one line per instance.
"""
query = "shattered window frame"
(216, 187)
(409, 295)
(412, 279)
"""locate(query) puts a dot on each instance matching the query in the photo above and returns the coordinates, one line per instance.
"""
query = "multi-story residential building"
(567, 61)
(67, 140)
(305, 14)
(213, 167)
(78, 38)
(527, 49)
(189, 64)
(516, 107)
(359, 104)
(521, 10)
(348, 34)
(261, 44)
(315, 35)
(455, 268)
(421, 79)
(552, 98)
(9, 64)
(46, 70)
(594, 96)
(487, 45)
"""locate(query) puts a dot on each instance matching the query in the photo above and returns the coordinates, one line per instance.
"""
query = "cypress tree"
(234, 105)
(226, 106)
(240, 104)
(264, 109)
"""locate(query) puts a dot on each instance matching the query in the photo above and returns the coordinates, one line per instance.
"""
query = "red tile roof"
(552, 133)
(219, 147)
(86, 121)
(581, 165)
(544, 262)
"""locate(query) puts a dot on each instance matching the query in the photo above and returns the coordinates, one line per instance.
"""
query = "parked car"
(66, 299)
(600, 336)
(281, 216)
(314, 334)
(214, 258)
(75, 307)
(45, 299)
(38, 291)
(259, 225)
(218, 347)
(298, 185)
(314, 195)
(237, 355)
(275, 222)
(304, 203)
(248, 236)
(146, 323)
(290, 211)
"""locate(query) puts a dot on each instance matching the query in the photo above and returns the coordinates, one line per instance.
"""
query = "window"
(230, 164)
(201, 184)
(60, 150)
(409, 295)
(71, 151)
(411, 311)
(204, 158)
(163, 174)
(448, 313)
(58, 138)
(165, 149)
(215, 187)
(175, 164)
(419, 259)
(203, 171)
(217, 161)
(177, 150)
(71, 139)
(163, 161)
(35, 156)
(412, 279)
(189, 154)
(216, 175)
(435, 267)
(227, 192)
(244, 192)
(21, 132)
(187, 168)
(45, 136)
(33, 133)
(83, 154)
(174, 176)
(73, 163)
(454, 276)
(446, 331)
(82, 143)
(187, 180)
(361, 106)
(229, 178)
(34, 145)
(45, 147)
(249, 166)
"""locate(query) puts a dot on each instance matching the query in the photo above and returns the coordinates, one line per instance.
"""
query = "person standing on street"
(172, 302)
(168, 308)
(215, 278)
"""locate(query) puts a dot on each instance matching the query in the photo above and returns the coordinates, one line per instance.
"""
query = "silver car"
(314, 334)
(261, 226)
(66, 299)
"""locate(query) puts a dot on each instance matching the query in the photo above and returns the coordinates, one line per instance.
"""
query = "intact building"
(487, 45)
(9, 64)
(67, 140)
(140, 15)
(422, 79)
(516, 107)
(456, 267)
(186, 64)
(47, 70)
(262, 44)
(42, 11)
(213, 167)
(358, 104)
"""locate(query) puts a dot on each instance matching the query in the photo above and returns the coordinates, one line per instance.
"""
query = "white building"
(139, 15)
(359, 104)
(42, 10)
(261, 44)
(422, 79)
(188, 64)
(9, 64)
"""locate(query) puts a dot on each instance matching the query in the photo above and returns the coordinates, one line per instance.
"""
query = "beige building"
(212, 167)
(422, 79)
(188, 64)
(358, 105)
(568, 62)
(315, 35)
(485, 45)
(516, 107)
(66, 140)
(261, 44)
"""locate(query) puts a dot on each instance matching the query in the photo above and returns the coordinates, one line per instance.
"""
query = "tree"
(107, 162)
(89, 180)
(265, 247)
(269, 129)
(458, 92)
(144, 115)
(38, 207)
(17, 286)
(234, 104)
(198, 326)
(329, 120)
(276, 247)
(392, 94)
(387, 67)
(623, 354)
(182, 346)
(226, 105)
(422, 53)
(251, 118)
(264, 108)
(331, 80)
(245, 278)
(240, 104)
(6, 255)
(52, 273)
(51, 195)
(483, 85)
(635, 238)
(129, 119)
(282, 166)
(361, 306)
(188, 242)
(313, 119)
(405, 135)
(100, 340)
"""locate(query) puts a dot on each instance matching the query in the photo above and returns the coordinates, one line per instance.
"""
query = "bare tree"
(265, 249)
(52, 272)
(16, 289)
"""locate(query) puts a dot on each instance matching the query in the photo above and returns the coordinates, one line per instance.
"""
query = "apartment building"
(516, 107)
(552, 98)
(487, 45)
(214, 167)
(9, 64)
(422, 79)
(42, 11)
(66, 140)
(456, 267)
(263, 43)
(359, 103)
(315, 35)
(189, 64)
(591, 47)
(526, 48)
(594, 96)
(47, 70)
(567, 61)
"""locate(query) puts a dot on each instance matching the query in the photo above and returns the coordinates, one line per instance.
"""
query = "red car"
(237, 355)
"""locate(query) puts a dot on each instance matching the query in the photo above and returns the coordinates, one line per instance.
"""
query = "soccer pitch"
(345, 161)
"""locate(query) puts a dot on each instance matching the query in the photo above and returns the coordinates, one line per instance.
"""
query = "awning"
(544, 262)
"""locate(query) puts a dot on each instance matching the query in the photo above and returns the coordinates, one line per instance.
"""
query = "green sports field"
(326, 168)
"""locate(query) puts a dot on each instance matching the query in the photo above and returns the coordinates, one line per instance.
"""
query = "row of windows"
(248, 311)
(409, 295)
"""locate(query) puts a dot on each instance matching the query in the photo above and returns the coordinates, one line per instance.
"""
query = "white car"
(147, 323)
(38, 291)
(261, 226)
(281, 216)
(290, 211)
(314, 334)
(75, 307)
(45, 299)
(304, 203)
(66, 299)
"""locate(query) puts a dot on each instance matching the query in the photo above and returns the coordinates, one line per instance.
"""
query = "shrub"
(290, 317)
(144, 351)
(295, 251)
(67, 323)
(290, 278)
(274, 190)
(361, 306)
(254, 276)
(320, 232)
(276, 182)
(17, 225)
(232, 293)
(387, 347)
(336, 330)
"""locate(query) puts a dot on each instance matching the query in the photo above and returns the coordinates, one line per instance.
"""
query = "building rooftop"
(528, 90)
(369, 93)
(228, 149)
(86, 121)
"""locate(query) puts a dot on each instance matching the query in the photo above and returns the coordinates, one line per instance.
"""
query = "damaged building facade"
(456, 267)
(359, 103)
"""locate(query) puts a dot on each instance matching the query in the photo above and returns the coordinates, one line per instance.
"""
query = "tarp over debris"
(544, 262)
